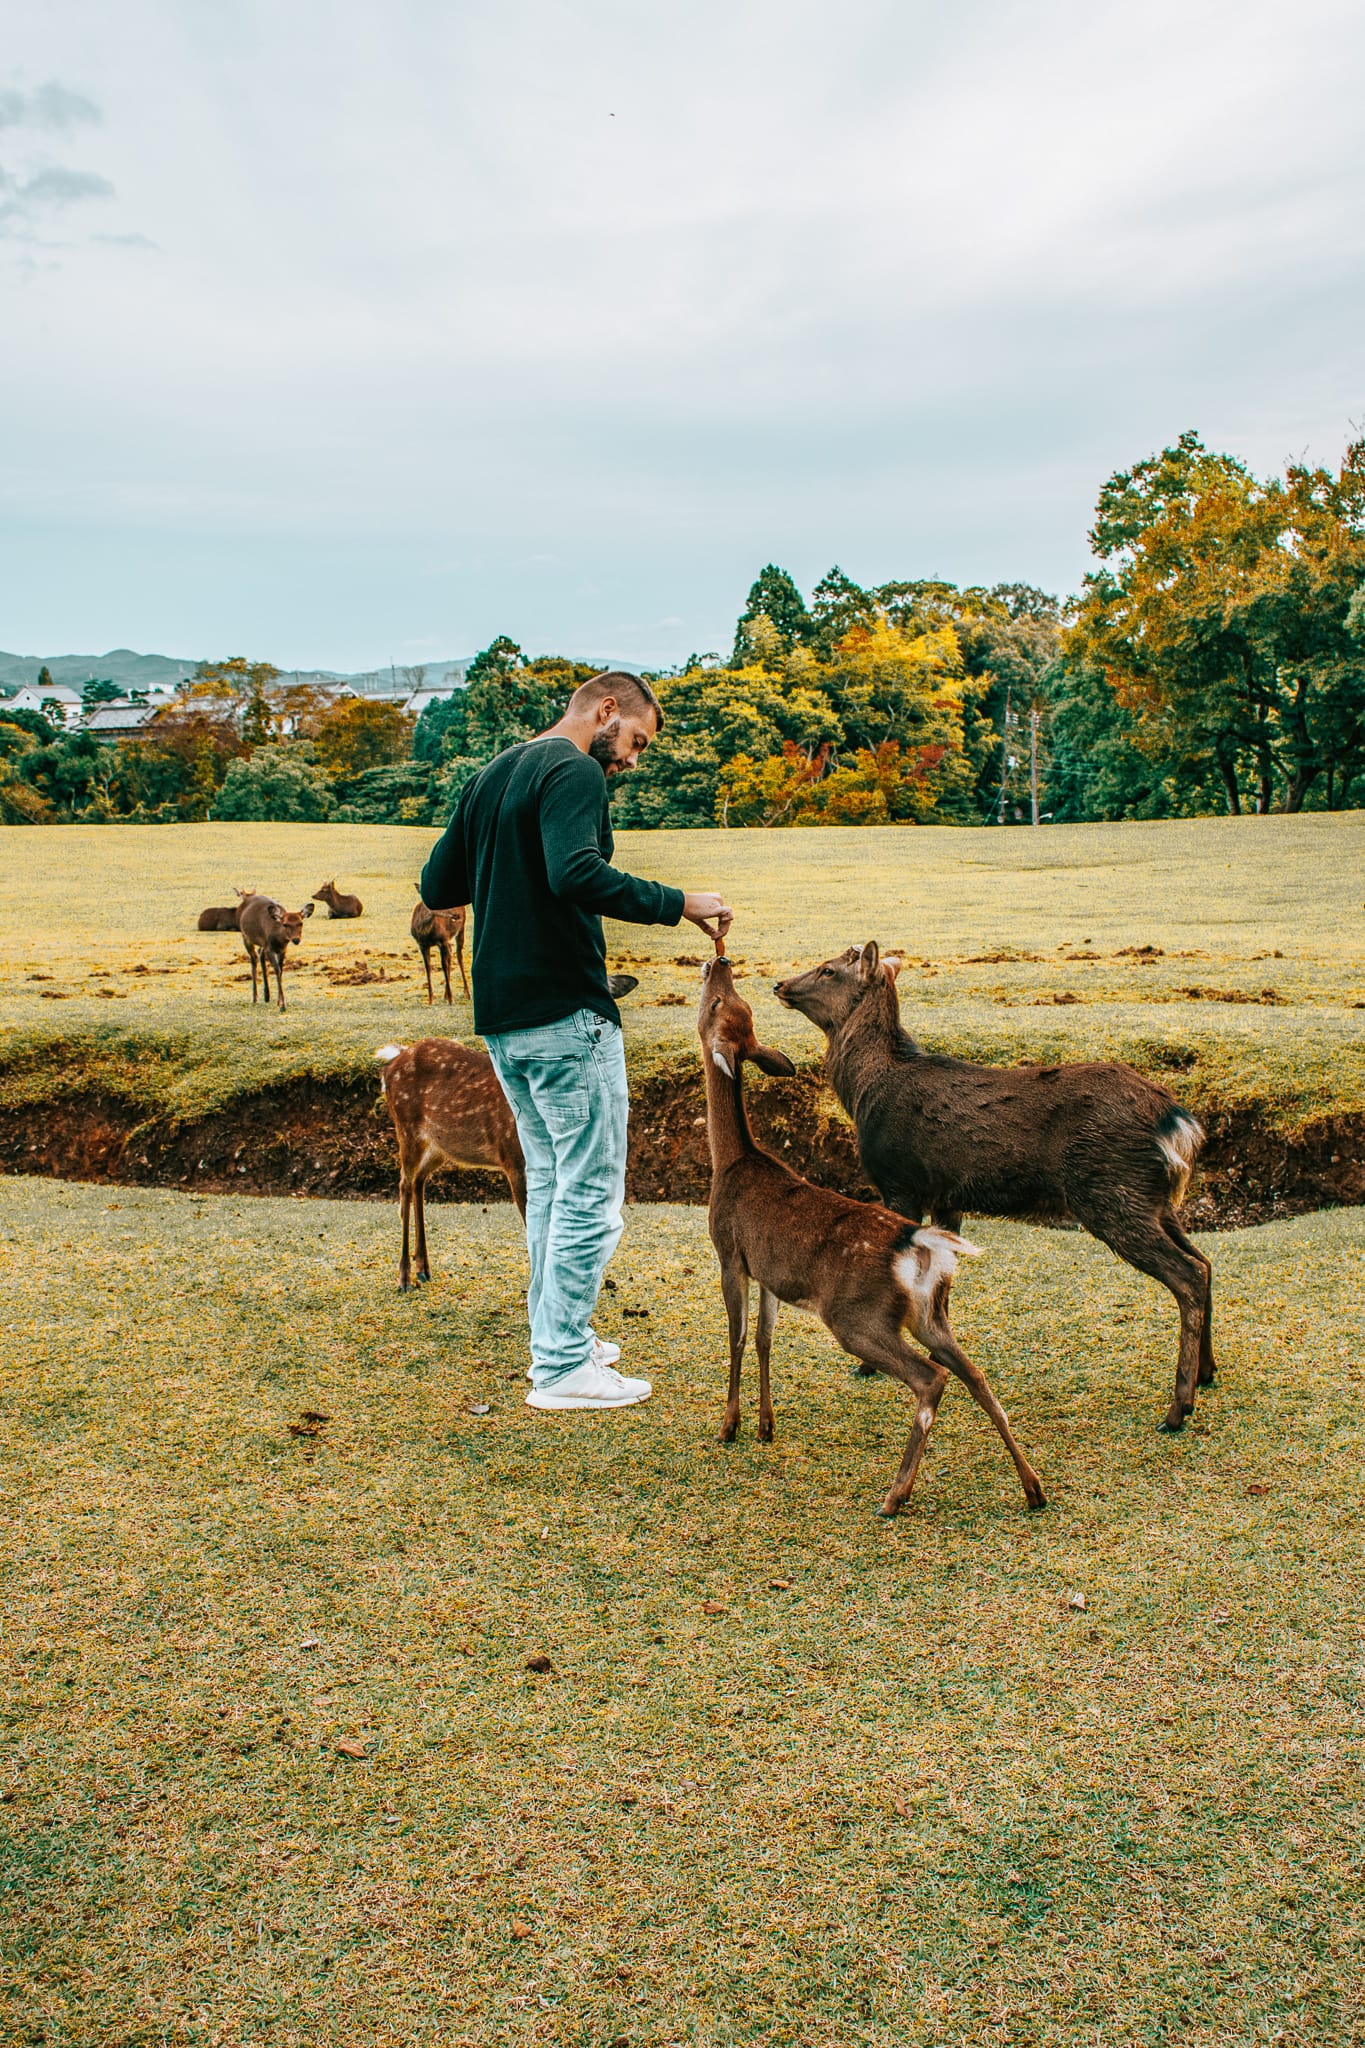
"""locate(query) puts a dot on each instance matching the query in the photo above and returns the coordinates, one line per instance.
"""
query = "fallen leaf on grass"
(539, 1664)
(1077, 1601)
(712, 1607)
(348, 1746)
(311, 1643)
(1258, 1486)
(480, 1407)
(779, 1585)
(519, 1930)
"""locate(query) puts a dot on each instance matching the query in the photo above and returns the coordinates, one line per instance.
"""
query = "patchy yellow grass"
(1022, 944)
(796, 1775)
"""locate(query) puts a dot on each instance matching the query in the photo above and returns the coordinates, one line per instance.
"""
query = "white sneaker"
(590, 1386)
(603, 1353)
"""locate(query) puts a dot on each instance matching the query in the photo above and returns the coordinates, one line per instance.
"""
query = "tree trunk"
(1229, 774)
(1307, 765)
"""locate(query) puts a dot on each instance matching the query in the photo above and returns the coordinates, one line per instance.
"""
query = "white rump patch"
(931, 1256)
(388, 1052)
(723, 1064)
(1178, 1148)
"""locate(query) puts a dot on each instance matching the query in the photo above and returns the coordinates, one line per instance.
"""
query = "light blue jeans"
(566, 1083)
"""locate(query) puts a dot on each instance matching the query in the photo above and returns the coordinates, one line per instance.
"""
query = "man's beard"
(602, 747)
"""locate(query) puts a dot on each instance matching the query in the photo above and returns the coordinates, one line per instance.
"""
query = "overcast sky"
(335, 333)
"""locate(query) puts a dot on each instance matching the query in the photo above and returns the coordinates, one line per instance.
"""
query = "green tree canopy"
(274, 785)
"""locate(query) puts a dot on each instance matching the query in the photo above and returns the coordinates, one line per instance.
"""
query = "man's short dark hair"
(632, 693)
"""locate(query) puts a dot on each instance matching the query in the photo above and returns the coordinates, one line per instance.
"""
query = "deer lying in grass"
(268, 929)
(862, 1270)
(1094, 1142)
(448, 1110)
(338, 904)
(440, 928)
(220, 917)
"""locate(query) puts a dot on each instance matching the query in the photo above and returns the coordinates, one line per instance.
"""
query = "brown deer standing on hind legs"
(438, 928)
(269, 929)
(448, 1110)
(862, 1270)
(1094, 1142)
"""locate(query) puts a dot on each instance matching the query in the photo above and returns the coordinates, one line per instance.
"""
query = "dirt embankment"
(335, 1139)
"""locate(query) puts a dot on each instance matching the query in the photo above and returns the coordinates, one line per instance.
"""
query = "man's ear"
(867, 960)
(769, 1061)
(607, 709)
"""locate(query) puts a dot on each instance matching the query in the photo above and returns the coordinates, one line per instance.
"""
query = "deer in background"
(449, 1110)
(268, 929)
(338, 905)
(864, 1271)
(1093, 1142)
(440, 928)
(220, 917)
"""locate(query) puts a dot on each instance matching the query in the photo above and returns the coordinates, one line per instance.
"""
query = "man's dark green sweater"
(530, 847)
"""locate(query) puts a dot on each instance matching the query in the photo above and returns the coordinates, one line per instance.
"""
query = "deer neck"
(865, 1046)
(727, 1121)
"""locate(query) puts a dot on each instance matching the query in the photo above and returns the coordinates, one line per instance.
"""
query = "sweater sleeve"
(571, 799)
(445, 878)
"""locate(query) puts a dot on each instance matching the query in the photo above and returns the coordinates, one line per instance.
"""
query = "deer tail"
(385, 1053)
(1179, 1137)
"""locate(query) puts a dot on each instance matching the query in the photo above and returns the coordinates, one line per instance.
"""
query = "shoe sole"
(563, 1401)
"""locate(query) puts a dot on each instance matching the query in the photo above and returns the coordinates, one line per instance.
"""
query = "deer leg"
(947, 1219)
(1207, 1362)
(426, 962)
(279, 978)
(1143, 1242)
(445, 967)
(768, 1305)
(516, 1180)
(251, 955)
(405, 1206)
(459, 955)
(419, 1184)
(943, 1347)
(734, 1285)
(886, 1351)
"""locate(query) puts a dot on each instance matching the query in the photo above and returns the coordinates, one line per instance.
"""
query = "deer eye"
(827, 970)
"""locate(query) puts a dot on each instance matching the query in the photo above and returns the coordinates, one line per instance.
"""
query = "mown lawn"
(1020, 944)
(795, 1776)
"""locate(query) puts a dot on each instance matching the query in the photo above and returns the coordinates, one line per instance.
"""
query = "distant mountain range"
(149, 671)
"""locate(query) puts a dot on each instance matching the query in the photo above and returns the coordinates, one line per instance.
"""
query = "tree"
(1220, 616)
(838, 604)
(440, 728)
(276, 785)
(93, 694)
(361, 733)
(773, 596)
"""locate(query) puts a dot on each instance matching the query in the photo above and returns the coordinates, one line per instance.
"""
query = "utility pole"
(1033, 759)
(1005, 763)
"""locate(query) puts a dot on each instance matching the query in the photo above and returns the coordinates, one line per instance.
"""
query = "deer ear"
(308, 909)
(867, 960)
(769, 1061)
(891, 966)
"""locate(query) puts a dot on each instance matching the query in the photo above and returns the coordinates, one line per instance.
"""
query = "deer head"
(830, 993)
(725, 1025)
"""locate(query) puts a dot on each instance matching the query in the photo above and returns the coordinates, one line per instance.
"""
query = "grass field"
(275, 1771)
(1020, 943)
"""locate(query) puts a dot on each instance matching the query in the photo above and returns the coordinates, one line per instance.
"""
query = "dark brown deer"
(268, 929)
(1093, 1142)
(440, 928)
(338, 904)
(862, 1270)
(220, 917)
(449, 1110)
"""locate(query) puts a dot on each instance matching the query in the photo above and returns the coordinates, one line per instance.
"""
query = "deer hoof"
(887, 1512)
(864, 1372)
(1035, 1506)
(1171, 1424)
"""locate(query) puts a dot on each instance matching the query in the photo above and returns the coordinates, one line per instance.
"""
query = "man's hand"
(711, 912)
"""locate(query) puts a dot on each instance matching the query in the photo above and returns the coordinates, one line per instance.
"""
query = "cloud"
(26, 201)
(126, 241)
(47, 106)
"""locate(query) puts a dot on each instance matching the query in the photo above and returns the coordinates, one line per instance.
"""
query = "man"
(530, 847)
